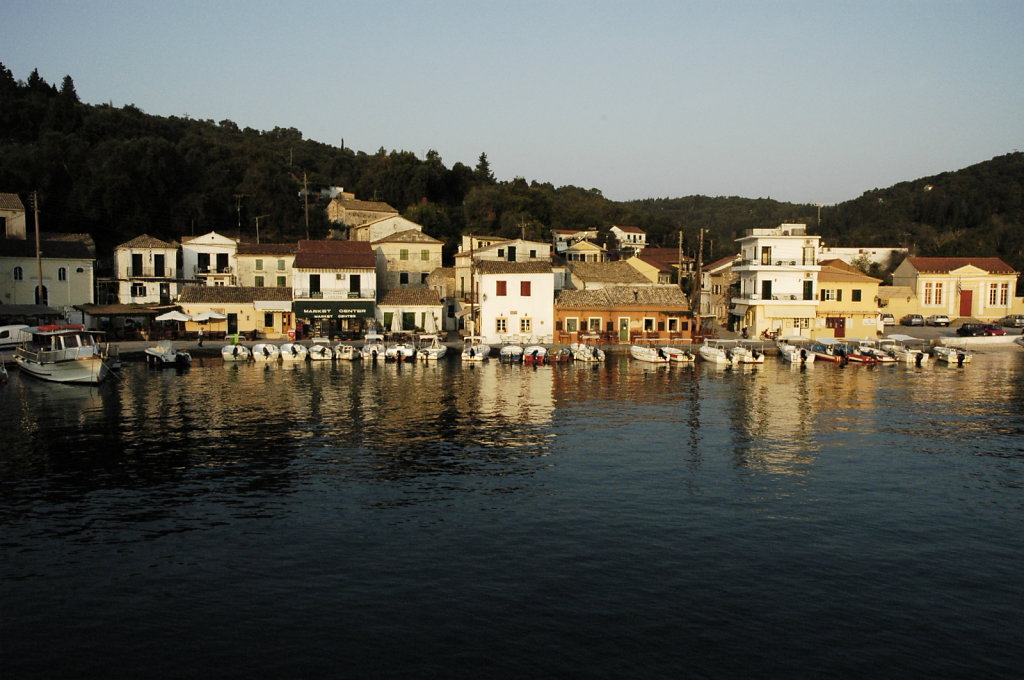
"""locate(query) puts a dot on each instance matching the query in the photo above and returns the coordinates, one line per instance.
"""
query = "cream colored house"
(68, 270)
(382, 228)
(146, 271)
(265, 265)
(584, 251)
(476, 248)
(629, 239)
(268, 311)
(717, 280)
(209, 260)
(847, 304)
(345, 209)
(960, 287)
(405, 259)
(653, 270)
(417, 310)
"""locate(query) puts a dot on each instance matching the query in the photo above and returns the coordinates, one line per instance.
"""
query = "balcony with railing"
(306, 294)
(148, 272)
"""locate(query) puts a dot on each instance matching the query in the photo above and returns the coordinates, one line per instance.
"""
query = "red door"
(837, 324)
(966, 302)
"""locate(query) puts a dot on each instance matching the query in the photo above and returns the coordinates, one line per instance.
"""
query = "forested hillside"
(117, 172)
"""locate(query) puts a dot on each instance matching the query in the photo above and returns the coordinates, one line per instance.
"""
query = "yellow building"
(960, 287)
(847, 302)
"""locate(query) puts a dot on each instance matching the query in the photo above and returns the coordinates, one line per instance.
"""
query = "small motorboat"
(400, 349)
(235, 353)
(905, 349)
(510, 353)
(373, 347)
(716, 352)
(586, 349)
(794, 353)
(320, 353)
(475, 349)
(266, 351)
(347, 352)
(293, 351)
(953, 356)
(652, 355)
(535, 355)
(431, 348)
(163, 355)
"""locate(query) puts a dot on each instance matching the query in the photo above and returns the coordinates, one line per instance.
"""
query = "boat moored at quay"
(64, 354)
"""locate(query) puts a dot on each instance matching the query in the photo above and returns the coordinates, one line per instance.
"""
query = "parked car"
(937, 320)
(912, 320)
(888, 320)
(1013, 321)
(993, 329)
(971, 329)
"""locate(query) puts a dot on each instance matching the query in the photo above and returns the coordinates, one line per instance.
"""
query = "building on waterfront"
(146, 271)
(847, 304)
(67, 263)
(719, 283)
(514, 300)
(335, 286)
(209, 260)
(265, 265)
(268, 311)
(623, 314)
(777, 271)
(410, 310)
(960, 287)
(405, 259)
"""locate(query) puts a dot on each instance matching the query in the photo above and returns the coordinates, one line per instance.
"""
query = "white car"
(937, 320)
(888, 320)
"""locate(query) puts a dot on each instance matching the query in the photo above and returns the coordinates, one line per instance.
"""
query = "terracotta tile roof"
(502, 267)
(146, 241)
(408, 236)
(607, 272)
(267, 248)
(624, 296)
(836, 273)
(232, 294)
(720, 263)
(368, 206)
(55, 248)
(654, 262)
(335, 255)
(944, 265)
(631, 230)
(11, 202)
(666, 256)
(411, 297)
(118, 309)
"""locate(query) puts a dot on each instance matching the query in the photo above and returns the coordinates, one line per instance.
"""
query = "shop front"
(345, 319)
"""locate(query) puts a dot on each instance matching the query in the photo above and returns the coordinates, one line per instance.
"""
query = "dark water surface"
(495, 521)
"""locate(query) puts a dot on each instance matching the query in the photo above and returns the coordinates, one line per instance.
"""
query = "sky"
(809, 102)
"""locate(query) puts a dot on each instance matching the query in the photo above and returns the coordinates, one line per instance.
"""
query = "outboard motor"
(803, 356)
(918, 359)
(960, 358)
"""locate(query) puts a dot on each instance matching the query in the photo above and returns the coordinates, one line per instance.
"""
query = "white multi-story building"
(209, 260)
(777, 272)
(146, 271)
(516, 301)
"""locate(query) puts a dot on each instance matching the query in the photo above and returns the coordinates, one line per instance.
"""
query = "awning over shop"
(739, 310)
(272, 305)
(333, 309)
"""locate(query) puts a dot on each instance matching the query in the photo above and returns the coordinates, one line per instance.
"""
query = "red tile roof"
(944, 265)
(335, 255)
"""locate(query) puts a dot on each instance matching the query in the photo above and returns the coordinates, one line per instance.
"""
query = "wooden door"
(966, 302)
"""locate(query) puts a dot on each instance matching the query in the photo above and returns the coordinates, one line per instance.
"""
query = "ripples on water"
(468, 521)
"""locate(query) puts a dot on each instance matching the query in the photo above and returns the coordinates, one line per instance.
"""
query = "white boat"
(320, 352)
(652, 355)
(586, 349)
(677, 355)
(163, 355)
(535, 354)
(431, 348)
(373, 347)
(954, 356)
(904, 348)
(510, 353)
(400, 349)
(62, 353)
(294, 351)
(266, 351)
(716, 352)
(872, 350)
(235, 353)
(347, 352)
(747, 355)
(475, 349)
(794, 353)
(12, 336)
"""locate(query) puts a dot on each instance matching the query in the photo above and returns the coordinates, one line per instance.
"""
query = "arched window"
(62, 274)
(18, 274)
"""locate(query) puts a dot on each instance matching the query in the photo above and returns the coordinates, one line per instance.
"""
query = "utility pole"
(258, 218)
(238, 209)
(695, 293)
(679, 256)
(305, 200)
(39, 253)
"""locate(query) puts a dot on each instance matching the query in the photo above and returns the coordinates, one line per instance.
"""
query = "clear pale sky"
(804, 101)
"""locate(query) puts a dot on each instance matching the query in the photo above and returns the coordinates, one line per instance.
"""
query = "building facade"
(146, 271)
(960, 287)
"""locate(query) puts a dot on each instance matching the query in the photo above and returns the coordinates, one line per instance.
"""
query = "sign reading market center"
(328, 310)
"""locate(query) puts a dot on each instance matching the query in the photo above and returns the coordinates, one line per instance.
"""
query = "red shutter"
(524, 288)
(501, 288)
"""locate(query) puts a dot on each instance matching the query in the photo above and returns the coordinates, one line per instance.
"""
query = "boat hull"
(82, 371)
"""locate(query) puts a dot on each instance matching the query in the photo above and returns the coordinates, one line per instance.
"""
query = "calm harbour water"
(503, 521)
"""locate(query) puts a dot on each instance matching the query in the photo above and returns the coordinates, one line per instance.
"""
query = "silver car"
(1013, 321)
(937, 320)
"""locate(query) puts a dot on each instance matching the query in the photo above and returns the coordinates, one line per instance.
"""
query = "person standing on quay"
(200, 337)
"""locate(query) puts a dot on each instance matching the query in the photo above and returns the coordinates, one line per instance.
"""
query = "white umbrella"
(396, 320)
(209, 316)
(429, 323)
(173, 315)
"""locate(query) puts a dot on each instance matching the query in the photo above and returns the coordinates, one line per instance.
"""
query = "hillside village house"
(268, 311)
(410, 309)
(382, 228)
(777, 271)
(405, 259)
(671, 258)
(884, 257)
(515, 300)
(562, 239)
(960, 287)
(67, 262)
(584, 251)
(847, 304)
(346, 210)
(265, 265)
(652, 269)
(629, 240)
(335, 286)
(716, 290)
(146, 271)
(623, 314)
(209, 260)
